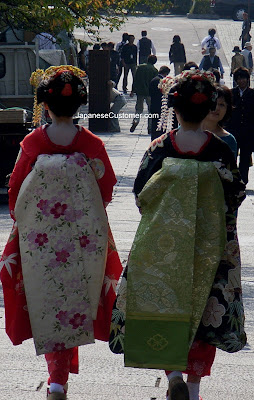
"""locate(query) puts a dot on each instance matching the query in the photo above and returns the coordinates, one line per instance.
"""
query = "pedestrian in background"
(246, 52)
(144, 74)
(210, 61)
(145, 47)
(190, 65)
(246, 27)
(117, 101)
(216, 119)
(177, 54)
(119, 48)
(54, 283)
(83, 57)
(46, 41)
(210, 41)
(104, 46)
(129, 60)
(237, 61)
(241, 123)
(114, 62)
(156, 95)
(67, 42)
(217, 75)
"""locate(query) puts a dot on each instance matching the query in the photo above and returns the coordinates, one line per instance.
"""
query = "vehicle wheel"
(238, 13)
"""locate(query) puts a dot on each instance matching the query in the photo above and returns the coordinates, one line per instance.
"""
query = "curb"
(202, 16)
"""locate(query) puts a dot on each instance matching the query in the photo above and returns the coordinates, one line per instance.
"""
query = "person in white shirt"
(145, 48)
(246, 52)
(210, 41)
(117, 101)
(46, 41)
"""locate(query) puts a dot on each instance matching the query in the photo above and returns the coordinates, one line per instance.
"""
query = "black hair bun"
(64, 93)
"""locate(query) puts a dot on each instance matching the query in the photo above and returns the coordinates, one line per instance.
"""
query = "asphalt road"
(102, 374)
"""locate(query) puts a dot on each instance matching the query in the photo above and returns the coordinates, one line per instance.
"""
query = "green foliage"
(183, 5)
(201, 7)
(55, 15)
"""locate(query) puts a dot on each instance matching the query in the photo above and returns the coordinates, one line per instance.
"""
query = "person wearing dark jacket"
(246, 27)
(145, 73)
(129, 60)
(145, 48)
(114, 62)
(119, 48)
(241, 124)
(156, 95)
(177, 54)
(211, 61)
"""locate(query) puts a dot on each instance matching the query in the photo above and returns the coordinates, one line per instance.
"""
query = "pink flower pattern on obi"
(64, 244)
(59, 347)
(41, 239)
(62, 255)
(77, 320)
(58, 210)
(63, 317)
(43, 205)
(84, 241)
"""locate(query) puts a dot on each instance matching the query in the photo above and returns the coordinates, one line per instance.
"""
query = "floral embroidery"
(62, 255)
(213, 313)
(7, 261)
(158, 142)
(98, 168)
(66, 249)
(84, 241)
(59, 347)
(63, 318)
(157, 342)
(58, 210)
(41, 239)
(223, 171)
(77, 320)
(109, 282)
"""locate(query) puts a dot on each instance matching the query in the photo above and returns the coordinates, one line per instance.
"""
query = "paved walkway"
(102, 374)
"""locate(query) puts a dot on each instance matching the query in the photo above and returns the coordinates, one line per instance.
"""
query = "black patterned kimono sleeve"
(151, 163)
(234, 189)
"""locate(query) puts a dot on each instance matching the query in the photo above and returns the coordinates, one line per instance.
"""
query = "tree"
(55, 15)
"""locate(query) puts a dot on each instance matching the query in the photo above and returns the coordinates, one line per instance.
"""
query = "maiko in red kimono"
(18, 325)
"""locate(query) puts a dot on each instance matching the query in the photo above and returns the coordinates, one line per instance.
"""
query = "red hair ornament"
(198, 98)
(67, 90)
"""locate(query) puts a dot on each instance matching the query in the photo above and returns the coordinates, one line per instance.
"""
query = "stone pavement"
(102, 374)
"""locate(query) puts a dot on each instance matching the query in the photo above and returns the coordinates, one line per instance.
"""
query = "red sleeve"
(104, 174)
(21, 170)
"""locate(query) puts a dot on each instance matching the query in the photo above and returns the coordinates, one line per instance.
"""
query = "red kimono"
(17, 318)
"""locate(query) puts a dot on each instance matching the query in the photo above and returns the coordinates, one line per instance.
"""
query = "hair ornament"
(66, 76)
(168, 95)
(200, 76)
(82, 90)
(67, 90)
(65, 71)
(198, 98)
(214, 96)
(50, 90)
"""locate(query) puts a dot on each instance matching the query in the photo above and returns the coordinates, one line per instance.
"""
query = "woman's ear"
(45, 106)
